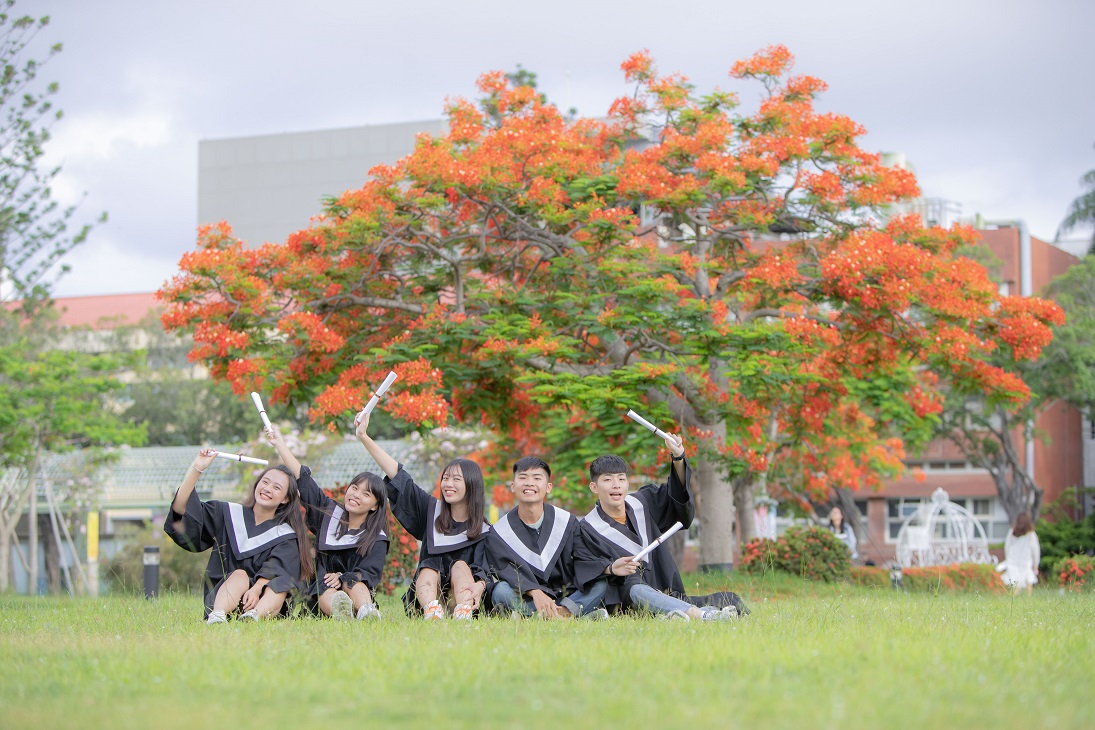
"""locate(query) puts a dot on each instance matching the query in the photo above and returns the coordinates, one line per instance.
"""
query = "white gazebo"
(941, 533)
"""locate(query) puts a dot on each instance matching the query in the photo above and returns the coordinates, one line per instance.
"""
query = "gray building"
(269, 186)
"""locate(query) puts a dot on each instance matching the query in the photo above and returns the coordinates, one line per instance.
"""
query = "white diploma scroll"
(376, 396)
(240, 457)
(647, 424)
(262, 411)
(665, 536)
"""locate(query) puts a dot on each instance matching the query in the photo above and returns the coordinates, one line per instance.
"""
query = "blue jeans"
(578, 603)
(655, 601)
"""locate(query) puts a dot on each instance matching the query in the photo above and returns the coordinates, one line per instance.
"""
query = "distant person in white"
(1021, 555)
(843, 531)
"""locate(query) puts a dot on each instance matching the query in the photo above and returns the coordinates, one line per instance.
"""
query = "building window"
(899, 510)
(993, 519)
(861, 508)
(986, 510)
(941, 466)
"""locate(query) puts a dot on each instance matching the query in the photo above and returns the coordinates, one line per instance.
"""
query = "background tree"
(174, 399)
(724, 272)
(51, 400)
(989, 433)
(34, 228)
(1066, 369)
(986, 432)
(1082, 211)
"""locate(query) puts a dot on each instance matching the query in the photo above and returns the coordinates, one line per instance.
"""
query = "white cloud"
(100, 135)
(104, 266)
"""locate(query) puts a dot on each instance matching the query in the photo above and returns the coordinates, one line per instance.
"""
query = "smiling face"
(272, 489)
(453, 488)
(359, 499)
(531, 486)
(610, 489)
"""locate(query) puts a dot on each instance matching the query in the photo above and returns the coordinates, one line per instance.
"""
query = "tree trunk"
(745, 502)
(9, 523)
(5, 561)
(32, 529)
(990, 445)
(675, 544)
(715, 505)
(846, 501)
(1016, 488)
(52, 555)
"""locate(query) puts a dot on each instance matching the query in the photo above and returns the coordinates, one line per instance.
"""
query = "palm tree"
(1082, 210)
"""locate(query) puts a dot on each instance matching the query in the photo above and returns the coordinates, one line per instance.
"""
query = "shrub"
(871, 576)
(179, 570)
(959, 578)
(1059, 536)
(1075, 572)
(402, 559)
(812, 553)
(758, 556)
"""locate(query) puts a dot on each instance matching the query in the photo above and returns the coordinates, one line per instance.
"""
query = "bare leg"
(426, 585)
(270, 604)
(463, 584)
(231, 591)
(325, 600)
(360, 595)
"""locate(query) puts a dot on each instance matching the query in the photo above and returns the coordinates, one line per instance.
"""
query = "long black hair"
(289, 512)
(473, 497)
(377, 520)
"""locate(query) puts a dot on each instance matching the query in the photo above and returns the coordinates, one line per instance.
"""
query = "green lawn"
(809, 656)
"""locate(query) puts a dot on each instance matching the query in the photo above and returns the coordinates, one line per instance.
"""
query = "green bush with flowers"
(954, 578)
(870, 576)
(812, 553)
(1076, 572)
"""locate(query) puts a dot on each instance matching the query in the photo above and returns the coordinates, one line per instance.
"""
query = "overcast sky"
(991, 100)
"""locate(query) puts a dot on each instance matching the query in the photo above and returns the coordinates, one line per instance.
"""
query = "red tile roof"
(106, 311)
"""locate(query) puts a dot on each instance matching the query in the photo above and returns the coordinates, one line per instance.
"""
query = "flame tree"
(721, 270)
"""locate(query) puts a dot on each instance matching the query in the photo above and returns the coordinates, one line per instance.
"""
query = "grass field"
(808, 656)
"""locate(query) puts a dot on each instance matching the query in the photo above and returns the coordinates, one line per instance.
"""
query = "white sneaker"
(597, 614)
(433, 611)
(368, 611)
(729, 613)
(216, 617)
(251, 615)
(342, 607)
(462, 612)
(677, 615)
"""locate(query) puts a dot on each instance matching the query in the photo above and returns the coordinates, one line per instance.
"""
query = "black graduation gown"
(417, 510)
(650, 511)
(530, 563)
(336, 548)
(268, 550)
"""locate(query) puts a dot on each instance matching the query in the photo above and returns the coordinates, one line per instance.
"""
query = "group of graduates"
(537, 559)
